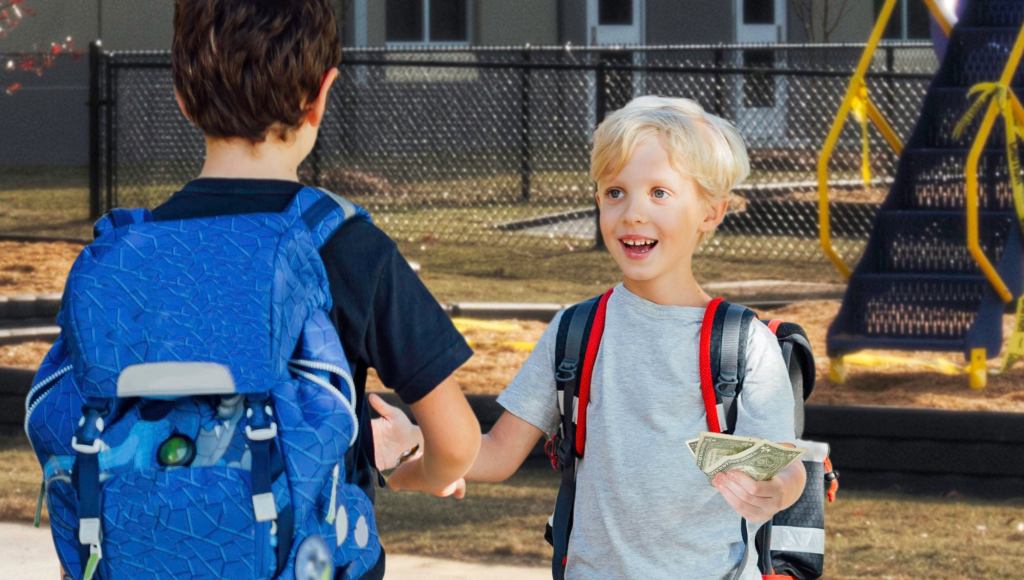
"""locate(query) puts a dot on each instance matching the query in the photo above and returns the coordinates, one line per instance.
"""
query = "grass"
(480, 272)
(869, 534)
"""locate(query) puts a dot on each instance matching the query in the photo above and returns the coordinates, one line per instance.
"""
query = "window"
(758, 11)
(910, 20)
(615, 12)
(427, 21)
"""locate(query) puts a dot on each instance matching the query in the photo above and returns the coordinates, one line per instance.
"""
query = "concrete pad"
(28, 552)
(402, 567)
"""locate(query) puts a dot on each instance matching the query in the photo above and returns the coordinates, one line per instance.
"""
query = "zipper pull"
(39, 503)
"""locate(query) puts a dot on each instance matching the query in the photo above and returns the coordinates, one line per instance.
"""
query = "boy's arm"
(451, 441)
(502, 450)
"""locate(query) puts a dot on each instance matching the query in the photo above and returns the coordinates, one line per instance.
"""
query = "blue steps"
(917, 286)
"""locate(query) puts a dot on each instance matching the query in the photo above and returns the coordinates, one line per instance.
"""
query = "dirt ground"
(882, 378)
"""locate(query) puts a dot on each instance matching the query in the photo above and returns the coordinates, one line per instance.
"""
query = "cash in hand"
(758, 458)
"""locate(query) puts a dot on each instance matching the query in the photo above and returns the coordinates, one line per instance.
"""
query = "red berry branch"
(12, 13)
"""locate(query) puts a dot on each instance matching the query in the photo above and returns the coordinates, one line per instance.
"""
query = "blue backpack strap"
(728, 358)
(570, 349)
(323, 212)
(120, 217)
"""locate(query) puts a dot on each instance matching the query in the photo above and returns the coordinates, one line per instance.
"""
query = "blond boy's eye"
(660, 193)
(615, 193)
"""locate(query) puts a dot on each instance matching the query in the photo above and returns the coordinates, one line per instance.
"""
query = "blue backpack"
(193, 417)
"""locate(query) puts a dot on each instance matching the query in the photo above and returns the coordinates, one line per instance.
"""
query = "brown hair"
(245, 67)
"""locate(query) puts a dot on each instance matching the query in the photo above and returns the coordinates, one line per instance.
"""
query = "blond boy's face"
(652, 217)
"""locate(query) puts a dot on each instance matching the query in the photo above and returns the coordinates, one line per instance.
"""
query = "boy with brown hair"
(254, 76)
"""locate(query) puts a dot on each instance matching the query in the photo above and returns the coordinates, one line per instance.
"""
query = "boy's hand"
(394, 435)
(756, 501)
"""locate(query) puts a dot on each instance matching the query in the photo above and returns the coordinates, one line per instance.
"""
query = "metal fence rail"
(492, 144)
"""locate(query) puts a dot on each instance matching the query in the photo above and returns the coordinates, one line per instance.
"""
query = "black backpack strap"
(570, 349)
(728, 359)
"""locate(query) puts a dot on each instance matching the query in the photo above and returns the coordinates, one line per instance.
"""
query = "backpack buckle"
(566, 370)
(727, 388)
(261, 427)
(90, 426)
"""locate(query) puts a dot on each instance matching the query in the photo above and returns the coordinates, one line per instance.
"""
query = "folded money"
(758, 458)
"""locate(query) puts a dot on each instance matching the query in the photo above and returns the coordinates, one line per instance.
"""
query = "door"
(616, 23)
(760, 98)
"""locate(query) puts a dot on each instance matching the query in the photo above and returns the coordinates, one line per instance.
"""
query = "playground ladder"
(918, 285)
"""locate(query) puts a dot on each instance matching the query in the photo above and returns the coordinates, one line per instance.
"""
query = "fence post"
(525, 172)
(719, 82)
(95, 54)
(600, 109)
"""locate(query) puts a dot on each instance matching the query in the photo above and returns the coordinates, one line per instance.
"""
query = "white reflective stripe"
(575, 410)
(816, 450)
(175, 379)
(722, 422)
(792, 539)
(561, 403)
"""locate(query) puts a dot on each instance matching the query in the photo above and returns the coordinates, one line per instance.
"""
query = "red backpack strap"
(773, 325)
(707, 379)
(593, 345)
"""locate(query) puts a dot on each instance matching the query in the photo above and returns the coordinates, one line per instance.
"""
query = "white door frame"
(616, 34)
(761, 126)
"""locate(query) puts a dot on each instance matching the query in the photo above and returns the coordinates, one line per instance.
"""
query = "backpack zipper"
(39, 391)
(348, 403)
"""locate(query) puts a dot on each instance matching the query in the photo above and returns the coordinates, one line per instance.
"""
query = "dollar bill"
(761, 462)
(692, 446)
(713, 447)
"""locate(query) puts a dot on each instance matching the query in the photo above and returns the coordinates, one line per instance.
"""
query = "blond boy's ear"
(316, 112)
(714, 215)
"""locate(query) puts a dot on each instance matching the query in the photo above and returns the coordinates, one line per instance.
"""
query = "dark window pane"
(448, 20)
(404, 20)
(893, 31)
(615, 12)
(758, 11)
(758, 87)
(918, 19)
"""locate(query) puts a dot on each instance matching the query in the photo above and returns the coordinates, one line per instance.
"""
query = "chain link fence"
(491, 145)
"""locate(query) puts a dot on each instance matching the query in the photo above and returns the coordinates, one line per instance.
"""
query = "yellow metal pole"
(883, 126)
(939, 17)
(971, 173)
(1018, 110)
(824, 219)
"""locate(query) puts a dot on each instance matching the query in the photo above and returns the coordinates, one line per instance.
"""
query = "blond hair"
(707, 148)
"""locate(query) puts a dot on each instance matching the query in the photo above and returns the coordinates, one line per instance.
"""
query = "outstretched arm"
(502, 450)
(450, 442)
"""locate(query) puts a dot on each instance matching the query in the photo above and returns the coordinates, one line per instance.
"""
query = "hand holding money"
(760, 459)
(751, 474)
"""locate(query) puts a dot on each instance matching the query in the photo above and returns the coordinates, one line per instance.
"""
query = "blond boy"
(664, 169)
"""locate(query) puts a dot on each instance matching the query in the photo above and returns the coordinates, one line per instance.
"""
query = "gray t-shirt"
(643, 508)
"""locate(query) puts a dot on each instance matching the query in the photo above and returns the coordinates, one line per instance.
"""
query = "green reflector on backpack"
(176, 450)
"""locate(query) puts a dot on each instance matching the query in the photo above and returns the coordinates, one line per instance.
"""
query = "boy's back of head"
(243, 68)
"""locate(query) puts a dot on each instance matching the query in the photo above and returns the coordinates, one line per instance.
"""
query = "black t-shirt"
(385, 316)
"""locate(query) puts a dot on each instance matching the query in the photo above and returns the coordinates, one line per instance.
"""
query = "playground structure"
(926, 281)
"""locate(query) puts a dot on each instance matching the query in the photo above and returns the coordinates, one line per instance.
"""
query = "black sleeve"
(386, 317)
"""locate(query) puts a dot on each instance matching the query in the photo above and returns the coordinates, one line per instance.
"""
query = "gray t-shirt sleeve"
(531, 395)
(765, 405)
